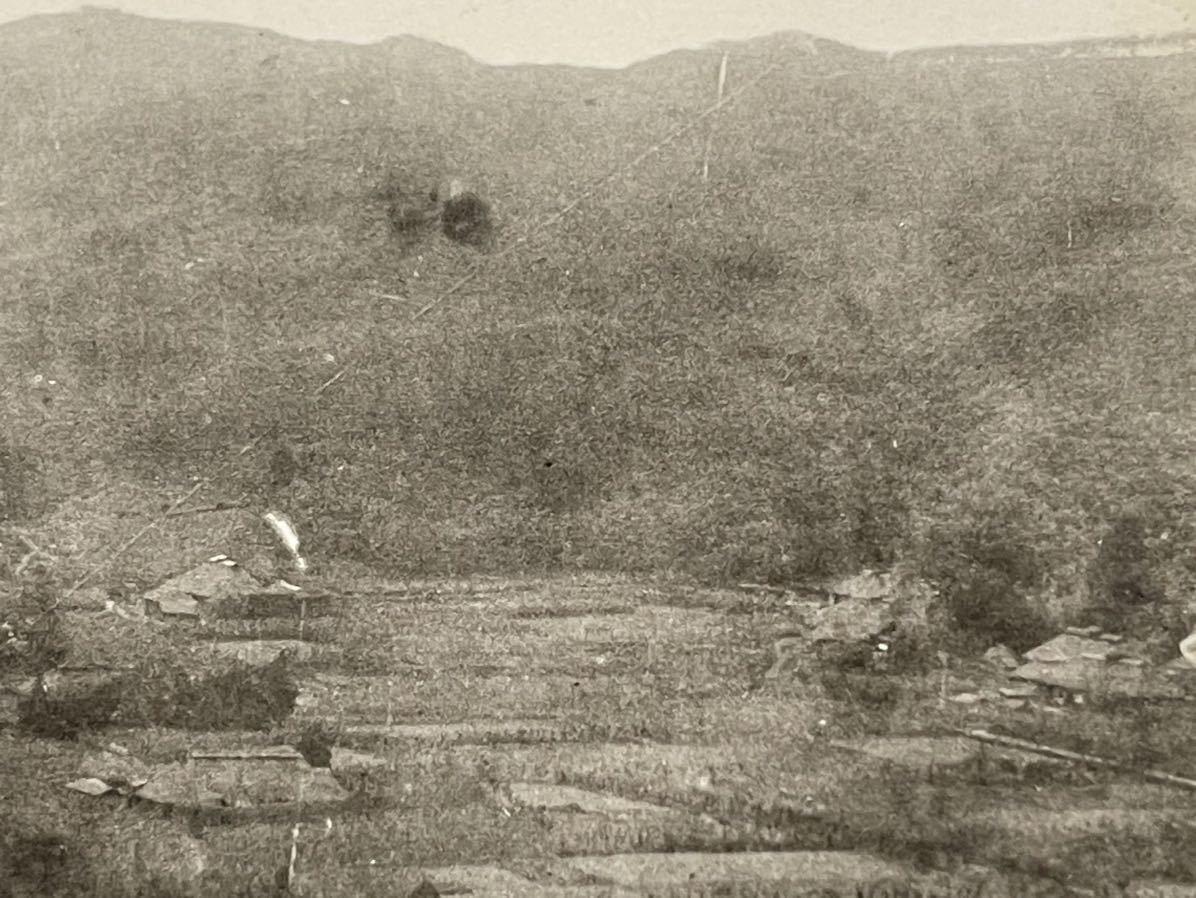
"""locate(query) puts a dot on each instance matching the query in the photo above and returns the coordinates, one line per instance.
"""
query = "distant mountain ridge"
(1088, 48)
(1082, 48)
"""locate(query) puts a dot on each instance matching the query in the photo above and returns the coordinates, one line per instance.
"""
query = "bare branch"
(1154, 776)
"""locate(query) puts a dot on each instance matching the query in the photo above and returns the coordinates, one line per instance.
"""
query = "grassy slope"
(865, 337)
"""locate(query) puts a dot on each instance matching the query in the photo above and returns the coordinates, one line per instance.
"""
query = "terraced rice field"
(587, 738)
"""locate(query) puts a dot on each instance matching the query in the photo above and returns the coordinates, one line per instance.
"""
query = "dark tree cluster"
(466, 218)
(462, 216)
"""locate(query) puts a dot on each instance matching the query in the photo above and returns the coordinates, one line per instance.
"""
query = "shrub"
(69, 716)
(986, 607)
(163, 694)
(985, 573)
(1123, 579)
(38, 862)
(408, 212)
(406, 219)
(32, 641)
(467, 218)
(284, 465)
(19, 473)
(239, 698)
(315, 742)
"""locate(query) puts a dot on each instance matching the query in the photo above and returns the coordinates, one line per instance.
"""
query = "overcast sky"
(617, 32)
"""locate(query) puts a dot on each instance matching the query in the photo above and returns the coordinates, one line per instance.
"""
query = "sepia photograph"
(611, 449)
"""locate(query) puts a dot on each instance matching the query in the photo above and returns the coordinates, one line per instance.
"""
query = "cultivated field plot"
(572, 737)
